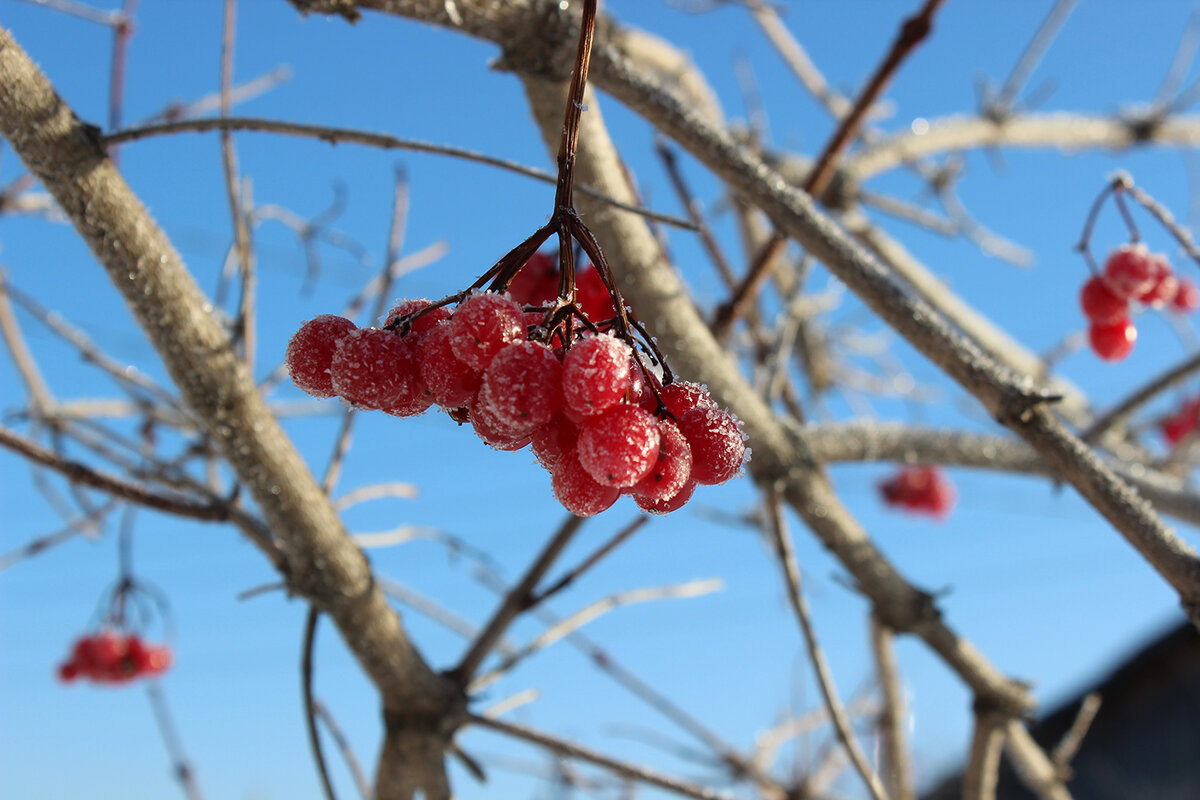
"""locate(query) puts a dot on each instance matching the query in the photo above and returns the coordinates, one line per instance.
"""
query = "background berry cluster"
(114, 657)
(1132, 274)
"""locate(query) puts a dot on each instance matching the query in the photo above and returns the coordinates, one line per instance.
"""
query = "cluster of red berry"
(595, 419)
(114, 657)
(922, 490)
(1131, 273)
(1180, 425)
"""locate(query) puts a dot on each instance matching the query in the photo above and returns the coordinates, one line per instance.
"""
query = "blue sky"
(1030, 574)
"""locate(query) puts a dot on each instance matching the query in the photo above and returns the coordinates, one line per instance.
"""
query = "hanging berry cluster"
(113, 657)
(537, 352)
(920, 490)
(599, 422)
(1132, 274)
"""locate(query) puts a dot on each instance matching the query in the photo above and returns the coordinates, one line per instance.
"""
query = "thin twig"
(334, 135)
(1072, 740)
(571, 750)
(352, 763)
(1029, 58)
(591, 561)
(81, 473)
(169, 731)
(516, 601)
(306, 689)
(837, 712)
(580, 618)
(1139, 397)
(897, 766)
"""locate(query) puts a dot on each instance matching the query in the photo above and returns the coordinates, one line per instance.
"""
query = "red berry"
(422, 324)
(1187, 297)
(451, 383)
(919, 489)
(591, 296)
(671, 471)
(374, 368)
(681, 397)
(67, 671)
(551, 441)
(1100, 303)
(578, 491)
(1177, 427)
(310, 352)
(718, 447)
(619, 447)
(482, 324)
(672, 503)
(492, 430)
(595, 374)
(537, 282)
(1112, 341)
(523, 386)
(1165, 286)
(1131, 270)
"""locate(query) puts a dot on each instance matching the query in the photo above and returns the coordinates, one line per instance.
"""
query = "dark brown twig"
(912, 32)
(310, 713)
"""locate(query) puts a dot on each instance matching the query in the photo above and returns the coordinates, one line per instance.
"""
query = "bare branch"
(837, 712)
(380, 140)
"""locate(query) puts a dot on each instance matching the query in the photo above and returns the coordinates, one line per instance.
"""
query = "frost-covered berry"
(310, 352)
(672, 503)
(482, 324)
(374, 368)
(578, 491)
(595, 374)
(450, 382)
(681, 397)
(718, 448)
(523, 386)
(619, 447)
(422, 324)
(671, 470)
(552, 440)
(493, 431)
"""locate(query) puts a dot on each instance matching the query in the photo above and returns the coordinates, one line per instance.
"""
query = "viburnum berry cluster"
(540, 353)
(1132, 274)
(595, 418)
(114, 657)
(921, 490)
